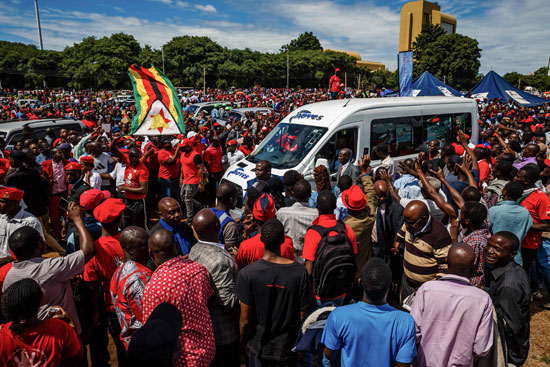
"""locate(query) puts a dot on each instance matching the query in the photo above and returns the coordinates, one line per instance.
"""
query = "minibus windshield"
(287, 145)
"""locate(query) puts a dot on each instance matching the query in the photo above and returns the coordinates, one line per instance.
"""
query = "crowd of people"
(432, 261)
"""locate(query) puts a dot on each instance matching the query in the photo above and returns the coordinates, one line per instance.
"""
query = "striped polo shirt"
(425, 256)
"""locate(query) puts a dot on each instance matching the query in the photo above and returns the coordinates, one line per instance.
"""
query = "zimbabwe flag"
(158, 109)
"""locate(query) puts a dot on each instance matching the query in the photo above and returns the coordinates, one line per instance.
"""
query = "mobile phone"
(63, 204)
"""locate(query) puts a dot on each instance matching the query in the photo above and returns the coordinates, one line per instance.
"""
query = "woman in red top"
(27, 341)
(169, 171)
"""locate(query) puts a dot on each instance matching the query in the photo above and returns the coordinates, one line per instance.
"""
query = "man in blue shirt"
(170, 219)
(371, 332)
(510, 216)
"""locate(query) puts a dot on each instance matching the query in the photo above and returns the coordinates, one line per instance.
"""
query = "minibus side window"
(403, 135)
(445, 127)
(346, 138)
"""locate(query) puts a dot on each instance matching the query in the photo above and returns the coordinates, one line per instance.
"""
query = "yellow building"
(417, 13)
(371, 65)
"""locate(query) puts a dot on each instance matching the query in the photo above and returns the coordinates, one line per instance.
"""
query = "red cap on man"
(92, 198)
(87, 159)
(185, 142)
(354, 198)
(109, 210)
(11, 193)
(232, 142)
(73, 166)
(336, 70)
(264, 208)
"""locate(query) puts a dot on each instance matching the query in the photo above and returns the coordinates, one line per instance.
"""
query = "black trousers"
(99, 344)
(134, 214)
(227, 355)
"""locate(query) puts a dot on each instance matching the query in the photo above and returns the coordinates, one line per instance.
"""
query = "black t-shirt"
(36, 194)
(277, 292)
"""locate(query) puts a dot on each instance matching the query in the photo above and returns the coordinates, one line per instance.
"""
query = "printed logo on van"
(238, 172)
(306, 115)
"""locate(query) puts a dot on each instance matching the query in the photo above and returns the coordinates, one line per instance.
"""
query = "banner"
(405, 67)
(158, 109)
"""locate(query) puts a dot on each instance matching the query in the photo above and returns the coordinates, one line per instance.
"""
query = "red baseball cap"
(232, 142)
(185, 142)
(264, 208)
(87, 159)
(337, 69)
(11, 193)
(92, 198)
(73, 166)
(109, 210)
(216, 124)
(354, 198)
(547, 162)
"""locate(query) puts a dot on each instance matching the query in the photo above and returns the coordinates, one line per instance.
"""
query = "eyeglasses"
(413, 224)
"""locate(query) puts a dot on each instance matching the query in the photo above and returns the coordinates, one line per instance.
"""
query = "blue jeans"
(169, 188)
(543, 262)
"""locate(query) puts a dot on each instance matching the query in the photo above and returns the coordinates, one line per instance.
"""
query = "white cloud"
(182, 4)
(162, 1)
(206, 8)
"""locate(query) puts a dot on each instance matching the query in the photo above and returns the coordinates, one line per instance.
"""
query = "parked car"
(12, 132)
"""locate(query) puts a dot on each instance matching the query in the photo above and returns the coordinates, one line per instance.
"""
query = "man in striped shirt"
(426, 242)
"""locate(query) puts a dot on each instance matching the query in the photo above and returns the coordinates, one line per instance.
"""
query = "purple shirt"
(525, 161)
(454, 322)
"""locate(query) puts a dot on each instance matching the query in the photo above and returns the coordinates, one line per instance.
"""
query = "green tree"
(305, 41)
(453, 57)
(514, 78)
(539, 80)
(101, 63)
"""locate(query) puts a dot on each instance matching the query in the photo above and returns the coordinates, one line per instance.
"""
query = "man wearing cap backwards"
(233, 155)
(54, 171)
(92, 178)
(334, 84)
(73, 172)
(253, 249)
(192, 177)
(12, 217)
(169, 169)
(99, 271)
(186, 284)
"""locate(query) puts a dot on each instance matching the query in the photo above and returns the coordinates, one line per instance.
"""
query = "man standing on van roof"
(334, 84)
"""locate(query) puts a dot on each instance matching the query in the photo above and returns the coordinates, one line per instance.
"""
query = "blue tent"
(494, 86)
(428, 85)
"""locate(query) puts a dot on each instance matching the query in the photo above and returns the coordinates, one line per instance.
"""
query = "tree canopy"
(453, 57)
(102, 63)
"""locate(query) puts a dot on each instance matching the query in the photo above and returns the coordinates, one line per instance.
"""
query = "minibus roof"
(326, 113)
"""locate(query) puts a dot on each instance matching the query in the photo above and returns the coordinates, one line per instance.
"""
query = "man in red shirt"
(100, 270)
(326, 203)
(213, 162)
(169, 169)
(186, 285)
(192, 176)
(334, 84)
(150, 160)
(253, 248)
(129, 281)
(538, 205)
(136, 179)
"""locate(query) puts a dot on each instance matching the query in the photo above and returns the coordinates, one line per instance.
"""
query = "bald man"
(129, 281)
(171, 220)
(186, 285)
(224, 308)
(226, 199)
(426, 242)
(454, 320)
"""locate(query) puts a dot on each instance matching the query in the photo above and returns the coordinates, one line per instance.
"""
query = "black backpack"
(334, 267)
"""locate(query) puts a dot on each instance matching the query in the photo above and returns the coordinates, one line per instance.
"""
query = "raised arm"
(434, 195)
(464, 141)
(455, 196)
(465, 168)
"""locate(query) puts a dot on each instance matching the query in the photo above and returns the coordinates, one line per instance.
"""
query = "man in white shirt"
(233, 155)
(102, 161)
(13, 217)
(382, 152)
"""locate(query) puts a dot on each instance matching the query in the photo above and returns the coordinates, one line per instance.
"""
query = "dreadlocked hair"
(20, 303)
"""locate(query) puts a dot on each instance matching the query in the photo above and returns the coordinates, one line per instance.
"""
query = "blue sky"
(513, 34)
